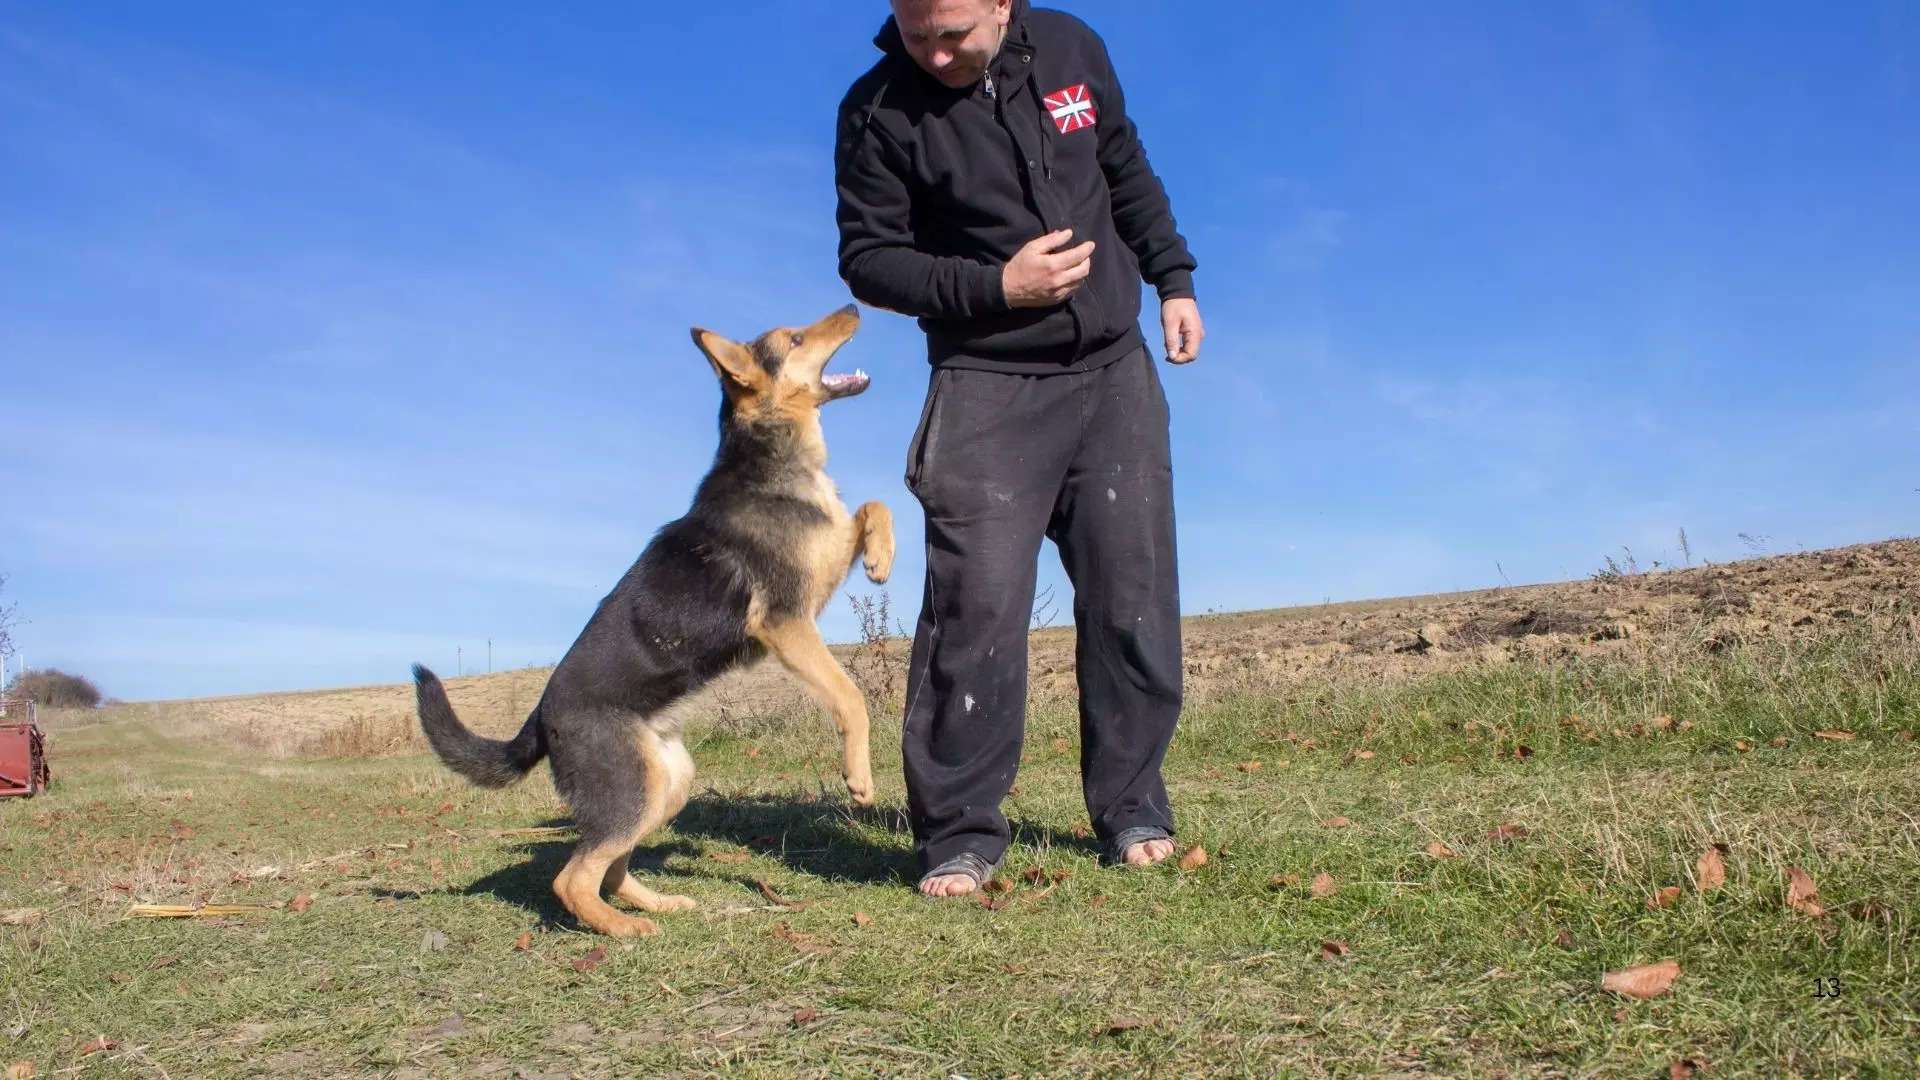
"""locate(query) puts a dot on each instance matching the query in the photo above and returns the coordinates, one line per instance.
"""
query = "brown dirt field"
(1705, 607)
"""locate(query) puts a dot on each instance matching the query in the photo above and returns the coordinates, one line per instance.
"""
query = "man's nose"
(941, 57)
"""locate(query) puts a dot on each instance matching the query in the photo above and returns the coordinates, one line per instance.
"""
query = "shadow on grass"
(838, 844)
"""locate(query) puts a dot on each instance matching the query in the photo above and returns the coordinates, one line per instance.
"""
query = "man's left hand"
(1180, 320)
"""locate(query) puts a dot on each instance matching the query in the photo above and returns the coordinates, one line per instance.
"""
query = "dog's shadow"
(834, 843)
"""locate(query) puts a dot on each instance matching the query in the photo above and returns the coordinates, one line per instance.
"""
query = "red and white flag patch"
(1072, 108)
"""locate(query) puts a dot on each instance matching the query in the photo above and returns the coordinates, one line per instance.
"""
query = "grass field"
(1419, 875)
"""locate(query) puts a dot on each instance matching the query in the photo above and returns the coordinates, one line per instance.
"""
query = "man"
(991, 184)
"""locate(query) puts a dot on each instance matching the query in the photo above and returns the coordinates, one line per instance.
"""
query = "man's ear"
(732, 362)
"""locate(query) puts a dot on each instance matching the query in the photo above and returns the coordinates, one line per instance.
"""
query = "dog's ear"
(732, 362)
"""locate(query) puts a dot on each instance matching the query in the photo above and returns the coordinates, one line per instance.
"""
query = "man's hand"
(1041, 275)
(1180, 321)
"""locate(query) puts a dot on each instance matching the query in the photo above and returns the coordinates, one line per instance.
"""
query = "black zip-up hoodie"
(938, 188)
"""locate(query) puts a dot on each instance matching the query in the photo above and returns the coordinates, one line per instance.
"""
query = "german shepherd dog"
(744, 574)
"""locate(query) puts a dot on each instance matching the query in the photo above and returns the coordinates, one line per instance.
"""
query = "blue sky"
(335, 337)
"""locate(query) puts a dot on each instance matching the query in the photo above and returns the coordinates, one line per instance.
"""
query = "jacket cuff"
(1175, 285)
(990, 288)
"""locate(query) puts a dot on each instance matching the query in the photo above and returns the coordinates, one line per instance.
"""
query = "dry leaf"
(1336, 823)
(1666, 897)
(162, 961)
(1251, 766)
(1014, 969)
(1507, 832)
(1905, 736)
(99, 1044)
(1662, 722)
(21, 916)
(803, 1017)
(1835, 734)
(1098, 901)
(1125, 1023)
(1742, 745)
(1365, 755)
(523, 942)
(20, 1070)
(1194, 859)
(753, 751)
(861, 918)
(993, 903)
(1686, 1068)
(1620, 1016)
(1284, 881)
(730, 856)
(1522, 752)
(1802, 895)
(1710, 872)
(1334, 950)
(1777, 741)
(803, 942)
(118, 976)
(1322, 886)
(592, 960)
(776, 899)
(1565, 940)
(1081, 832)
(1034, 875)
(1646, 981)
(1440, 851)
(999, 885)
(300, 903)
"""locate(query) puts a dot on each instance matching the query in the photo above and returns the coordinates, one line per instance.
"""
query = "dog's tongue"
(845, 385)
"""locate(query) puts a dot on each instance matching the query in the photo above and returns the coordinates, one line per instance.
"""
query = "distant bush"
(55, 689)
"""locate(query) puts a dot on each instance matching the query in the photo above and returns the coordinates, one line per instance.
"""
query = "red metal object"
(23, 751)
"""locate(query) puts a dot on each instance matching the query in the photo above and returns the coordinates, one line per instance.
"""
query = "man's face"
(954, 40)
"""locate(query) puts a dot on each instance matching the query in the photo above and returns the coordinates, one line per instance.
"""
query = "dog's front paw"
(860, 787)
(876, 542)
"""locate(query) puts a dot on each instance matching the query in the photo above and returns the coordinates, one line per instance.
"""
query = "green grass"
(1484, 964)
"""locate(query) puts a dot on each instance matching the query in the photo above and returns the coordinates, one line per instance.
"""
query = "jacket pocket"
(920, 449)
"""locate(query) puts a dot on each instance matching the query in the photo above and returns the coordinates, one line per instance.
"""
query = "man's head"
(953, 40)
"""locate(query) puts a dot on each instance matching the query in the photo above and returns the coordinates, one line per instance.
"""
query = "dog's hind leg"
(612, 820)
(873, 525)
(669, 783)
(797, 643)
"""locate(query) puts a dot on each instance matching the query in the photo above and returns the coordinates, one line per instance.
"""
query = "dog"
(744, 574)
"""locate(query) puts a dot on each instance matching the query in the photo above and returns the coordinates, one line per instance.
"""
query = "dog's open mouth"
(839, 386)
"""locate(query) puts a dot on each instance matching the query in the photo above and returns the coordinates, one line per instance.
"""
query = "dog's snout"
(851, 311)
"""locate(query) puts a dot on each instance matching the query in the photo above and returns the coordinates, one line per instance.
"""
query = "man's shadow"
(838, 844)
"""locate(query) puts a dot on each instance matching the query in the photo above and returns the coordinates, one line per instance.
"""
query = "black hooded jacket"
(938, 188)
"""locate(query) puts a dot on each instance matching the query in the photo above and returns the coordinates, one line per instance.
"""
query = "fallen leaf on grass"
(1507, 832)
(20, 1070)
(1250, 766)
(803, 942)
(1284, 881)
(300, 903)
(1905, 736)
(1643, 982)
(861, 918)
(98, 1045)
(1322, 886)
(1014, 969)
(1194, 859)
(523, 942)
(1522, 753)
(1777, 741)
(1440, 851)
(1334, 950)
(445, 808)
(1125, 1023)
(776, 899)
(1802, 895)
(730, 856)
(1565, 940)
(162, 961)
(1336, 823)
(1742, 745)
(1835, 734)
(593, 959)
(1098, 901)
(1081, 832)
(993, 903)
(999, 885)
(1686, 1068)
(1710, 871)
(21, 916)
(803, 1017)
(1666, 897)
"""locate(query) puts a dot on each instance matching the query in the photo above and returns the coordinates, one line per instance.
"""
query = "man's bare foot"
(1148, 852)
(948, 885)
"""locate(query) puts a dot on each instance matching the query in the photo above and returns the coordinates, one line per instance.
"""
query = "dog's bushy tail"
(484, 761)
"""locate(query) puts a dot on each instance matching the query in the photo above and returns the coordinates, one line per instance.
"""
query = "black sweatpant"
(998, 462)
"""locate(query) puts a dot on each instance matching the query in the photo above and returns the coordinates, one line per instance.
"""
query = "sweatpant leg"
(1115, 530)
(987, 467)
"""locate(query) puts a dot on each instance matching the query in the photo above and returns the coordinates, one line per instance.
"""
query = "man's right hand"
(1041, 275)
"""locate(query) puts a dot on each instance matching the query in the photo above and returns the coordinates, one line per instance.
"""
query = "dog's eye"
(796, 339)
